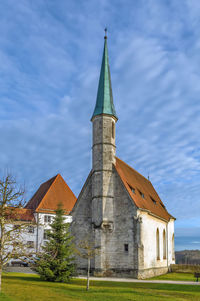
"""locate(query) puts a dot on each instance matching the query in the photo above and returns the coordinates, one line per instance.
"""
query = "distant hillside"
(188, 257)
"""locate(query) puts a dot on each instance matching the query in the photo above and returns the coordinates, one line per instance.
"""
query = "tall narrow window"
(164, 244)
(173, 252)
(157, 245)
(113, 129)
(126, 247)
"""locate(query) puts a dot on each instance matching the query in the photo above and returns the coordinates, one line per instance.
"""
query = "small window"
(154, 201)
(126, 247)
(30, 244)
(47, 219)
(142, 194)
(30, 229)
(133, 190)
(46, 234)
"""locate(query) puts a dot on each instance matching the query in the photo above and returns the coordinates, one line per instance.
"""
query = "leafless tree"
(11, 225)
(87, 249)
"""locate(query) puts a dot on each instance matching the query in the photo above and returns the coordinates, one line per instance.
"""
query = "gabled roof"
(104, 101)
(50, 194)
(150, 200)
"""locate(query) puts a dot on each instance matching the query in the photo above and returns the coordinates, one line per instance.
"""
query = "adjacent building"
(40, 211)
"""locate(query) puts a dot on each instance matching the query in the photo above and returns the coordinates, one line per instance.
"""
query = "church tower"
(103, 158)
(103, 149)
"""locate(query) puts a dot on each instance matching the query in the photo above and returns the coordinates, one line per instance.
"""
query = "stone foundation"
(126, 273)
(118, 273)
(148, 273)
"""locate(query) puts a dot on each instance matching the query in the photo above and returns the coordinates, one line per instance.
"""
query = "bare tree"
(87, 249)
(11, 226)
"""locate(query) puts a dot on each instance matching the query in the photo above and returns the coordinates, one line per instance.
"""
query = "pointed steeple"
(104, 102)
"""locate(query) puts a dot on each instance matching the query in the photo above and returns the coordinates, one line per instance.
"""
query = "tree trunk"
(0, 277)
(88, 275)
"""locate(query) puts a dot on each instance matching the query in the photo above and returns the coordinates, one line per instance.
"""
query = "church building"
(118, 209)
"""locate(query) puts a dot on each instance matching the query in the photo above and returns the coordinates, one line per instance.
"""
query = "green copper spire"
(104, 102)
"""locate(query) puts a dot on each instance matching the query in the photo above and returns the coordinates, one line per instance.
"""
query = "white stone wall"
(171, 250)
(149, 225)
(41, 226)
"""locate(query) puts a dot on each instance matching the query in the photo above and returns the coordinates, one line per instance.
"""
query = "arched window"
(173, 253)
(164, 244)
(157, 245)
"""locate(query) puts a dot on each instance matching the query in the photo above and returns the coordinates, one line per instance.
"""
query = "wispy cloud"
(50, 57)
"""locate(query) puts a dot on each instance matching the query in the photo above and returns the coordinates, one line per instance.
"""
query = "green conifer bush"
(56, 262)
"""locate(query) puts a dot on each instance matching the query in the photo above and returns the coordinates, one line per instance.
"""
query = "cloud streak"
(50, 59)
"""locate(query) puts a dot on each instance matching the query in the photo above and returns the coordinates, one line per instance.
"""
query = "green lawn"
(21, 287)
(176, 277)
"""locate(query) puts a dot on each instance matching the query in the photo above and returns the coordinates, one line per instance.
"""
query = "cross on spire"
(105, 37)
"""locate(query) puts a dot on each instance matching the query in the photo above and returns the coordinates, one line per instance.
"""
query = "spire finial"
(105, 37)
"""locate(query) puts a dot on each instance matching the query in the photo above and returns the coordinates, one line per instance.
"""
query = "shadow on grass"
(81, 283)
(22, 277)
(132, 285)
(36, 278)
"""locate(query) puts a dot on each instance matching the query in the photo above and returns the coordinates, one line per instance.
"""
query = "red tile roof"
(20, 214)
(50, 194)
(132, 179)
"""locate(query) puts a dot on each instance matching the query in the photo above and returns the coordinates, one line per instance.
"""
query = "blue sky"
(50, 56)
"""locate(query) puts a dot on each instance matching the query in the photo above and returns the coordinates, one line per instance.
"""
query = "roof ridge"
(55, 177)
(65, 183)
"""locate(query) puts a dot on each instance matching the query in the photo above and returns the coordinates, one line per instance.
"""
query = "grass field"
(176, 277)
(26, 287)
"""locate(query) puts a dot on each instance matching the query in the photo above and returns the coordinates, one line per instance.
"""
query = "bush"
(56, 262)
